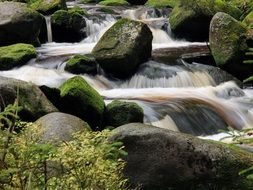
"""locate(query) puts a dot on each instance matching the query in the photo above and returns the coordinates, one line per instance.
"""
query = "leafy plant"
(89, 161)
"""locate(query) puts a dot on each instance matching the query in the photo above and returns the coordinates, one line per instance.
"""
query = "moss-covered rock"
(228, 45)
(190, 15)
(47, 7)
(162, 3)
(123, 47)
(80, 99)
(248, 20)
(162, 159)
(19, 24)
(33, 102)
(81, 64)
(137, 2)
(68, 26)
(58, 127)
(15, 55)
(119, 113)
(113, 2)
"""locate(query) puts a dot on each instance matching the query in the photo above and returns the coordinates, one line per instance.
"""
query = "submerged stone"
(124, 47)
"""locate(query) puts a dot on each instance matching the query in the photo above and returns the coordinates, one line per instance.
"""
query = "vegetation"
(113, 2)
(88, 162)
(162, 3)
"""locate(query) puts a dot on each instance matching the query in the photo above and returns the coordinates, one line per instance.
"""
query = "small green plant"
(87, 162)
(235, 135)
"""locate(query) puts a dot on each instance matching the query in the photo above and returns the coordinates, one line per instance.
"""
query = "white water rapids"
(184, 100)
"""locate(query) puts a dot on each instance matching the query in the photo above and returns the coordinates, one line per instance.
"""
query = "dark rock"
(137, 2)
(80, 99)
(33, 102)
(18, 24)
(119, 113)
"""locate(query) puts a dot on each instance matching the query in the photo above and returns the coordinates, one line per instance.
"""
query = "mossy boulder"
(18, 24)
(227, 39)
(58, 127)
(33, 102)
(163, 159)
(47, 7)
(124, 47)
(80, 99)
(137, 2)
(81, 64)
(191, 18)
(68, 26)
(15, 55)
(119, 113)
(162, 3)
(113, 2)
(248, 20)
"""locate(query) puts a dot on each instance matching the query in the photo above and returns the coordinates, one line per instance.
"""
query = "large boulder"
(119, 113)
(47, 7)
(58, 127)
(228, 45)
(18, 24)
(80, 99)
(191, 19)
(15, 55)
(162, 159)
(68, 26)
(33, 102)
(81, 64)
(123, 47)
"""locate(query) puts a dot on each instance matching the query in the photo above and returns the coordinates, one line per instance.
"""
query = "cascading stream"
(178, 97)
(49, 29)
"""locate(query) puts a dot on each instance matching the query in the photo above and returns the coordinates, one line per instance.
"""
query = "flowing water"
(178, 97)
(49, 29)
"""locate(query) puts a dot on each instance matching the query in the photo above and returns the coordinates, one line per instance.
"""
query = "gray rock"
(58, 127)
(18, 24)
(33, 102)
(163, 159)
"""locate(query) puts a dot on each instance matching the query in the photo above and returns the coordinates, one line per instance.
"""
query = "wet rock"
(33, 102)
(119, 113)
(162, 159)
(228, 45)
(68, 26)
(80, 99)
(18, 24)
(190, 16)
(124, 47)
(58, 127)
(15, 55)
(81, 64)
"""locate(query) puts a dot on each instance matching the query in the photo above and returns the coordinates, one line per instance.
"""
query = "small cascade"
(49, 29)
(190, 108)
(96, 27)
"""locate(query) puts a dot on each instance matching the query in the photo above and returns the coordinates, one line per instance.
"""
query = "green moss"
(106, 10)
(162, 3)
(248, 21)
(79, 10)
(113, 2)
(82, 100)
(48, 6)
(81, 64)
(248, 80)
(119, 113)
(14, 55)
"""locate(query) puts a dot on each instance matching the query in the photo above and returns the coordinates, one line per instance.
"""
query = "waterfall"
(49, 29)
